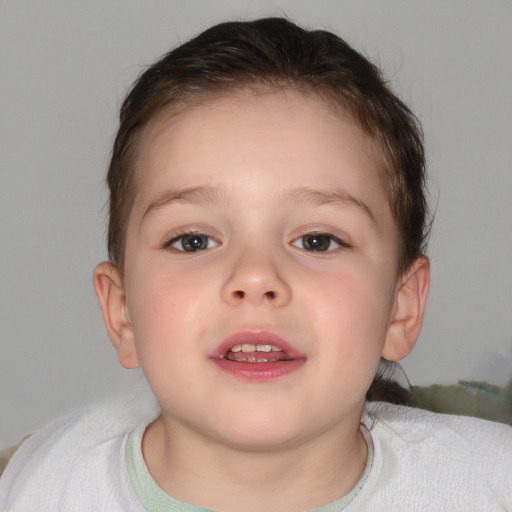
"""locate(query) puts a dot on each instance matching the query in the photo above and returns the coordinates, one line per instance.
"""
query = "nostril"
(240, 294)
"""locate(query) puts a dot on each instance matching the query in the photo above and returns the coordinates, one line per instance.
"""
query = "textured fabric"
(422, 461)
(155, 499)
(77, 462)
(435, 462)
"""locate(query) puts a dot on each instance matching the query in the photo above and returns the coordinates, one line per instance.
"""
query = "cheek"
(353, 307)
(165, 304)
(166, 307)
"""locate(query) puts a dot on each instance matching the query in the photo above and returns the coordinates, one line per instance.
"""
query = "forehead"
(258, 141)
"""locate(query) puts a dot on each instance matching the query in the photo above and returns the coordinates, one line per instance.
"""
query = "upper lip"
(256, 337)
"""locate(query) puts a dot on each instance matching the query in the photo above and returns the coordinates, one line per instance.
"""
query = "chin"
(261, 442)
(259, 434)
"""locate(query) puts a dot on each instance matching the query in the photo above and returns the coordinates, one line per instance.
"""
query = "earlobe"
(108, 283)
(408, 312)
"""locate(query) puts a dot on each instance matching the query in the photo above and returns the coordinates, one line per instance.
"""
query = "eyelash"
(323, 240)
(183, 239)
(341, 244)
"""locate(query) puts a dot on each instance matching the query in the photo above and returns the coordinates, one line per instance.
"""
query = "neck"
(197, 470)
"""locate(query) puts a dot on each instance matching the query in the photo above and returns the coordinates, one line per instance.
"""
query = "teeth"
(247, 347)
(253, 360)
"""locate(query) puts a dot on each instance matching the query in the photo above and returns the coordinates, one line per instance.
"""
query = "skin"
(285, 443)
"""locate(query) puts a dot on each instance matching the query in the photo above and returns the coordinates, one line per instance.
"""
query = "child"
(266, 242)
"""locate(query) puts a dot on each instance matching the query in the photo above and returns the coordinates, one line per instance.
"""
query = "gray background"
(64, 68)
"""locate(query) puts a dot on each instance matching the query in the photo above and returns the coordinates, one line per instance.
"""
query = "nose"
(255, 280)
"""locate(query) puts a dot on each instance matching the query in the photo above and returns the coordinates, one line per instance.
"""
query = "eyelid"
(175, 241)
(180, 233)
(337, 239)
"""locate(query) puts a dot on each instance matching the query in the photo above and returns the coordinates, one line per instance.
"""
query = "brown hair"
(275, 53)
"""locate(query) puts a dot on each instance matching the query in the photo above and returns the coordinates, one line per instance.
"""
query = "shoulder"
(439, 460)
(465, 436)
(74, 455)
(413, 424)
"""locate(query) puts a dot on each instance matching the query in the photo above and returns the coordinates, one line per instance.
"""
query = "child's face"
(259, 219)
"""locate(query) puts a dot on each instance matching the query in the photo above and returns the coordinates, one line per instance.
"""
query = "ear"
(408, 311)
(108, 283)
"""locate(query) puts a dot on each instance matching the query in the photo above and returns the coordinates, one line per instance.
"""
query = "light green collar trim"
(154, 499)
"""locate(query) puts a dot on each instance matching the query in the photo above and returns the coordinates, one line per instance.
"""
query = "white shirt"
(421, 462)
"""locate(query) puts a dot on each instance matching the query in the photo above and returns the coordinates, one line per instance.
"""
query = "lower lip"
(259, 371)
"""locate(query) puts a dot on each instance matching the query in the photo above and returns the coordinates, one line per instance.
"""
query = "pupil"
(317, 242)
(194, 242)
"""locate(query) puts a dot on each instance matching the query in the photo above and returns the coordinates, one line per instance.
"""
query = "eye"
(192, 242)
(319, 242)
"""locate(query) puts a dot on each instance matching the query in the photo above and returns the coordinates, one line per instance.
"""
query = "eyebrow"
(200, 195)
(301, 196)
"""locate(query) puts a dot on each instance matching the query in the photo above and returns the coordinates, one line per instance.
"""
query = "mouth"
(257, 356)
(249, 353)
